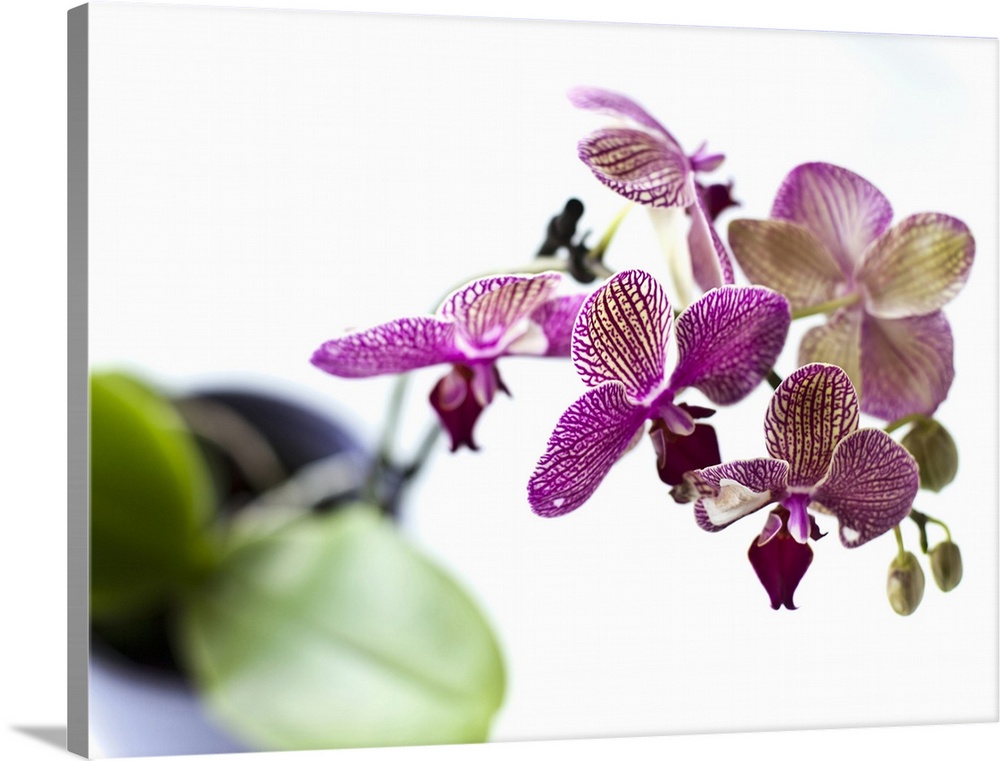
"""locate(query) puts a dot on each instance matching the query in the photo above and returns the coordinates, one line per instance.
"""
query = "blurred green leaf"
(334, 632)
(150, 499)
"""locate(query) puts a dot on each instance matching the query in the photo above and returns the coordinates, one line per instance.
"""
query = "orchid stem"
(423, 452)
(899, 541)
(897, 424)
(596, 255)
(922, 519)
(383, 454)
(826, 306)
(774, 379)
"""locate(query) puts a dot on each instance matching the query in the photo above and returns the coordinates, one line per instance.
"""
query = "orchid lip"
(491, 350)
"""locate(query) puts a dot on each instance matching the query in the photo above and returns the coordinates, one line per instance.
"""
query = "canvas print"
(456, 380)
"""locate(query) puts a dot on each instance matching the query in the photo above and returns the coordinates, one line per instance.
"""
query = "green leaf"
(333, 632)
(150, 500)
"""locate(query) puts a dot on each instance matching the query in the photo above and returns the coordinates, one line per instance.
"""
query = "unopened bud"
(946, 565)
(905, 586)
(935, 452)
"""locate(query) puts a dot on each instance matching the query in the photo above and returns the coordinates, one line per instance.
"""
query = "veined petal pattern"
(728, 341)
(838, 342)
(556, 318)
(787, 257)
(810, 412)
(485, 314)
(732, 490)
(917, 267)
(842, 209)
(639, 166)
(589, 438)
(393, 347)
(906, 365)
(870, 487)
(621, 334)
(618, 105)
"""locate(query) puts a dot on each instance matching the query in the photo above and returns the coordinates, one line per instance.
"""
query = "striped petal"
(620, 106)
(917, 267)
(589, 438)
(811, 411)
(638, 165)
(733, 490)
(787, 257)
(556, 318)
(393, 347)
(621, 334)
(709, 260)
(842, 209)
(838, 342)
(485, 310)
(870, 486)
(728, 341)
(906, 365)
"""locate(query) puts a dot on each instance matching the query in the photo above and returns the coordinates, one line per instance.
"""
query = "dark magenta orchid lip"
(780, 563)
(458, 406)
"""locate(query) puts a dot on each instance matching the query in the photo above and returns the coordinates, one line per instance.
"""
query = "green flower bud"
(935, 452)
(946, 565)
(905, 586)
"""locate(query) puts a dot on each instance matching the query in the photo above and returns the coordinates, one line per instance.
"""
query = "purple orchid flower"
(828, 240)
(476, 325)
(819, 461)
(645, 164)
(727, 342)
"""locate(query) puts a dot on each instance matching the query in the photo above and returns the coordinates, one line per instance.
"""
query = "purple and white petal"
(917, 267)
(619, 106)
(486, 315)
(621, 334)
(906, 365)
(556, 318)
(703, 161)
(458, 302)
(842, 209)
(710, 263)
(838, 342)
(811, 411)
(733, 490)
(639, 166)
(590, 437)
(393, 347)
(787, 257)
(870, 486)
(728, 341)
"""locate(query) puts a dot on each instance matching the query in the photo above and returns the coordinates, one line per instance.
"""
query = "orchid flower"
(476, 325)
(644, 163)
(828, 242)
(727, 342)
(820, 461)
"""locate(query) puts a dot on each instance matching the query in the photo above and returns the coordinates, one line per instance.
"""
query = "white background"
(636, 589)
